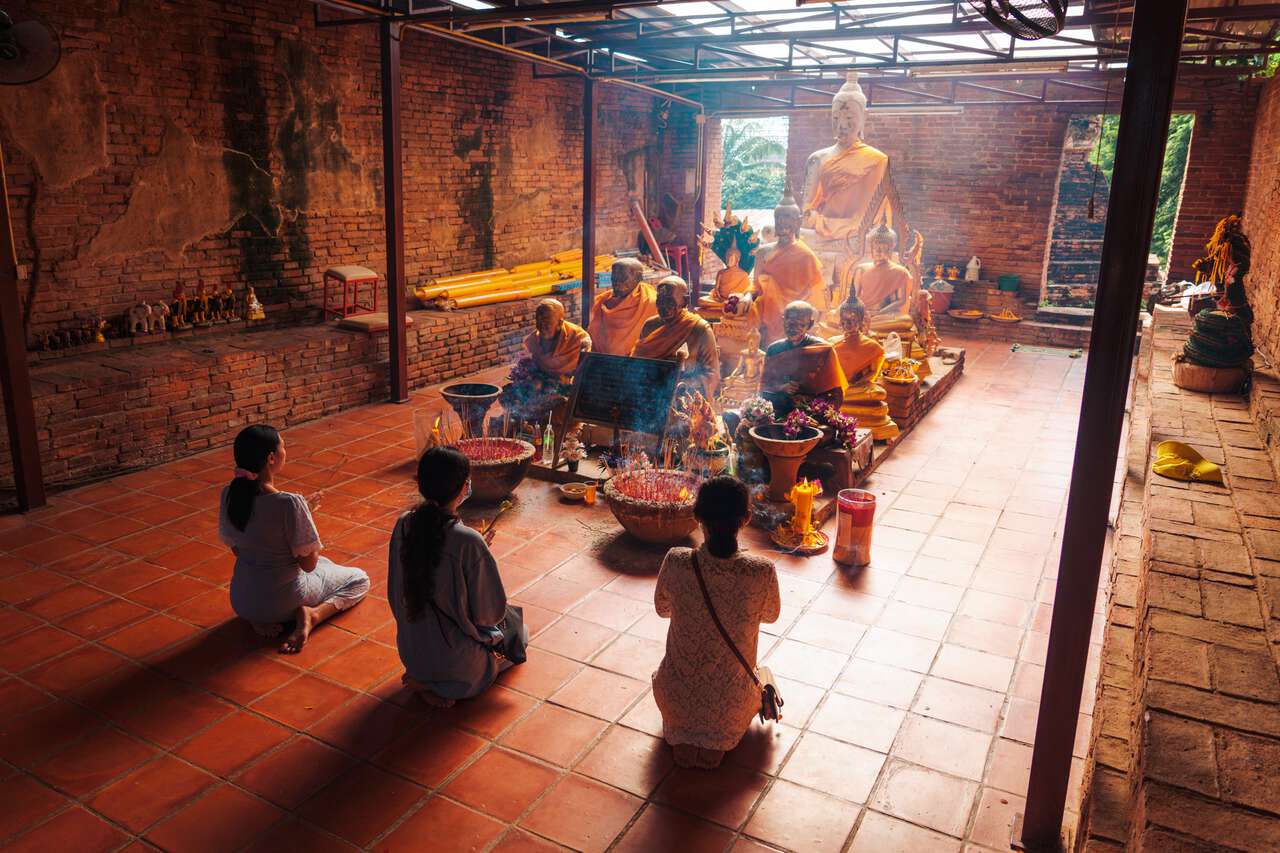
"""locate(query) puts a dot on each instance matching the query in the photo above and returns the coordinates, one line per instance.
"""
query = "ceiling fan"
(1024, 19)
(29, 50)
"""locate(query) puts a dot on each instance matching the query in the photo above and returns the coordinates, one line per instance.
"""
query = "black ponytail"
(253, 445)
(442, 473)
(722, 506)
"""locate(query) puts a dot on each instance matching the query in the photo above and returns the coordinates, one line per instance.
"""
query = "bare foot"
(303, 621)
(425, 693)
(267, 629)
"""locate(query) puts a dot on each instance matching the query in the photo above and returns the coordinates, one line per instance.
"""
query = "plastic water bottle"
(548, 446)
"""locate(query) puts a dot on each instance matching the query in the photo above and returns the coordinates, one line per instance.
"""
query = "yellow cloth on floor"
(1183, 462)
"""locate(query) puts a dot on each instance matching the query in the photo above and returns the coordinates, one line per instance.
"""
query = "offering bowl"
(498, 465)
(654, 505)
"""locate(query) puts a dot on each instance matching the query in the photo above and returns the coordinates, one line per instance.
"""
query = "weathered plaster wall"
(237, 144)
(1262, 222)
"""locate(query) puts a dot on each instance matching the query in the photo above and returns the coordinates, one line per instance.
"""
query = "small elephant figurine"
(159, 317)
(140, 319)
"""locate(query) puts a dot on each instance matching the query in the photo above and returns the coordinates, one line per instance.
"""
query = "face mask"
(466, 492)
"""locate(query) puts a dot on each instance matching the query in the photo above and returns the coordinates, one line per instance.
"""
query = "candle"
(802, 495)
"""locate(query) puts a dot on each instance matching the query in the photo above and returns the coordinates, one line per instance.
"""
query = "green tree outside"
(755, 169)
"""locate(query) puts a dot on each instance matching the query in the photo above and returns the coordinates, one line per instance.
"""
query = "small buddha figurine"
(201, 314)
(618, 314)
(253, 308)
(99, 331)
(744, 382)
(180, 311)
(227, 306)
(801, 366)
(861, 358)
(734, 243)
(882, 284)
(678, 333)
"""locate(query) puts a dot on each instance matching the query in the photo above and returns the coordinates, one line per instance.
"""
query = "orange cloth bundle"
(663, 341)
(816, 369)
(615, 330)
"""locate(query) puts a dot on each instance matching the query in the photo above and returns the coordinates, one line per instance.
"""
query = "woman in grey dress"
(279, 574)
(444, 589)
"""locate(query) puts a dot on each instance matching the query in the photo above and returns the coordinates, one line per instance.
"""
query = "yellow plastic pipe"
(466, 276)
(502, 296)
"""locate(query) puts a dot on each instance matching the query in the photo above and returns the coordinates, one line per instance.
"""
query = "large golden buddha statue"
(861, 358)
(618, 314)
(678, 333)
(787, 271)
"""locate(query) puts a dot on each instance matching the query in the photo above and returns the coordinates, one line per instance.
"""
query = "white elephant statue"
(140, 319)
(159, 317)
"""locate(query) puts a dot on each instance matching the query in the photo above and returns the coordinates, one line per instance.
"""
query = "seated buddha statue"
(543, 376)
(861, 357)
(678, 333)
(730, 304)
(618, 314)
(786, 272)
(841, 182)
(801, 366)
(744, 380)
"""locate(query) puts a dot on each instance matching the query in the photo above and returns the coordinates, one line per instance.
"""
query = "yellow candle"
(802, 495)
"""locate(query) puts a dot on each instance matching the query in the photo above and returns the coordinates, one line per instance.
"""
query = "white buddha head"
(849, 111)
(881, 243)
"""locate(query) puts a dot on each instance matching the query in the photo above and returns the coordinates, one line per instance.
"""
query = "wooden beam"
(393, 200)
(588, 198)
(1135, 187)
(19, 411)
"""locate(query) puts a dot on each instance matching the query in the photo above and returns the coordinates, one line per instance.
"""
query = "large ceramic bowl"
(654, 505)
(498, 465)
(785, 454)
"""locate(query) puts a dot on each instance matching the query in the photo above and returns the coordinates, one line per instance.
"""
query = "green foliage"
(1176, 151)
(754, 166)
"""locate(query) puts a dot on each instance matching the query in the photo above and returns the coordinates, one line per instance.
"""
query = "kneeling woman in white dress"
(451, 611)
(279, 575)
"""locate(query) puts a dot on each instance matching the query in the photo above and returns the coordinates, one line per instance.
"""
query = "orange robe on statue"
(876, 283)
(846, 184)
(615, 328)
(664, 339)
(731, 281)
(814, 367)
(562, 359)
(787, 274)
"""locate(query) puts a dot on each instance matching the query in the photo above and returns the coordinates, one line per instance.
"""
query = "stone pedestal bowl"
(649, 504)
(498, 465)
(785, 454)
(471, 400)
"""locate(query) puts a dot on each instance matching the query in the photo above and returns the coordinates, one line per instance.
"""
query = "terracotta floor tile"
(764, 747)
(811, 665)
(992, 637)
(45, 642)
(941, 570)
(231, 743)
(74, 829)
(644, 716)
(651, 626)
(18, 699)
(923, 622)
(827, 632)
(33, 585)
(150, 542)
(854, 721)
(628, 759)
(149, 793)
(942, 746)
(211, 608)
(632, 656)
(249, 677)
(366, 725)
(295, 834)
(955, 550)
(1020, 720)
(801, 819)
(502, 784)
(926, 593)
(554, 734)
(582, 814)
(430, 754)
(303, 701)
(540, 676)
(802, 700)
(170, 715)
(610, 609)
(574, 638)
(223, 819)
(169, 592)
(291, 774)
(880, 833)
(104, 618)
(959, 703)
(993, 824)
(361, 803)
(64, 601)
(75, 669)
(26, 801)
(600, 693)
(907, 520)
(840, 769)
(29, 738)
(1010, 768)
(143, 639)
(724, 795)
(98, 757)
(17, 623)
(490, 713)
(361, 666)
(894, 648)
(556, 594)
(442, 824)
(660, 828)
(968, 666)
(925, 797)
(125, 577)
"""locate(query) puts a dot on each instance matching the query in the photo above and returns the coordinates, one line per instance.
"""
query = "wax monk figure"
(543, 376)
(861, 358)
(679, 333)
(618, 314)
(801, 366)
(787, 272)
(840, 181)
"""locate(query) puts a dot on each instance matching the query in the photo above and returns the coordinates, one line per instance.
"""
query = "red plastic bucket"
(856, 512)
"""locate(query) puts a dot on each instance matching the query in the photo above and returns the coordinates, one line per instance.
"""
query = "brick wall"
(979, 183)
(1261, 214)
(1218, 167)
(237, 144)
(1075, 242)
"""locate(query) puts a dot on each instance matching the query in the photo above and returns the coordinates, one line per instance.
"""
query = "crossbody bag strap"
(706, 596)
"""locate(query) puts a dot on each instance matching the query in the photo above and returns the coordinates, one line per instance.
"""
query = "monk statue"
(787, 271)
(542, 377)
(861, 358)
(618, 314)
(801, 367)
(841, 183)
(678, 333)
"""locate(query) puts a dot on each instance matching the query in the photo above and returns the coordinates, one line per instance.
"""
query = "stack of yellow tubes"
(500, 285)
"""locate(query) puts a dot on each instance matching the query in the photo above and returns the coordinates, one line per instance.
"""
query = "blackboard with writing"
(632, 394)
